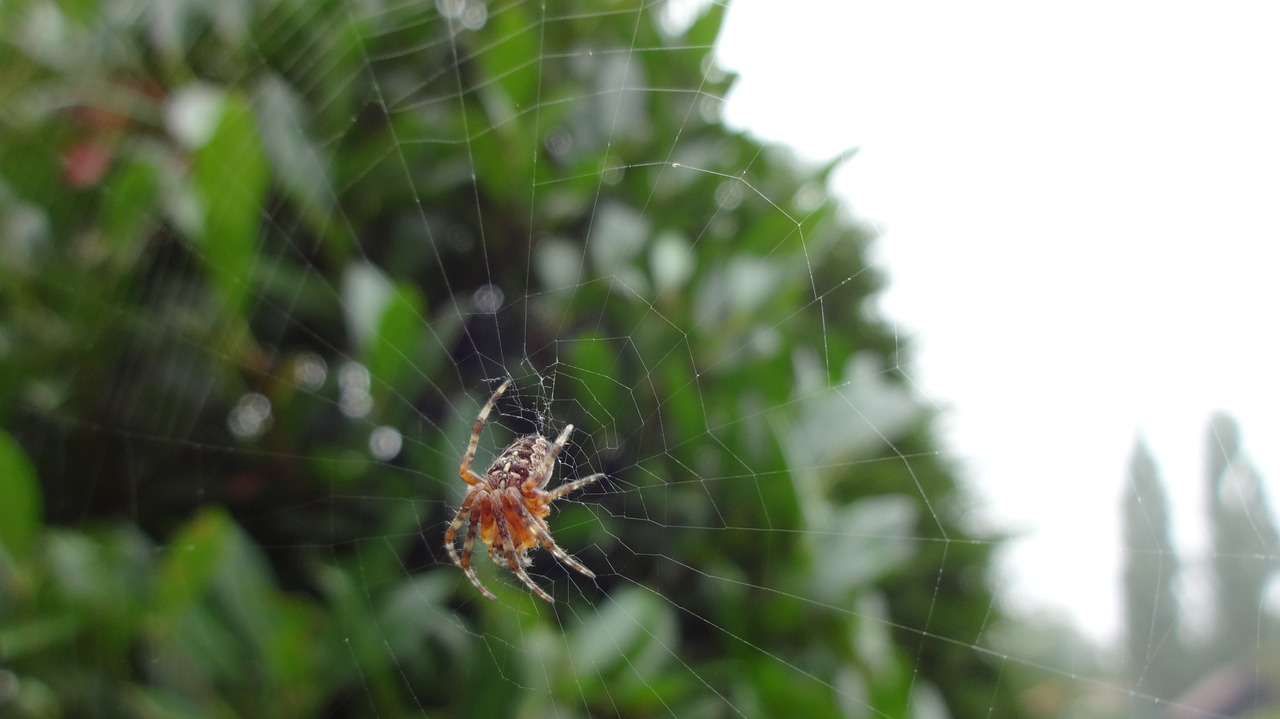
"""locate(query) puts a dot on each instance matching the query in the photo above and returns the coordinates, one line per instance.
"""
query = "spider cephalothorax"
(508, 505)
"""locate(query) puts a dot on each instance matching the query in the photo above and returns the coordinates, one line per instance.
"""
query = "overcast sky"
(1080, 216)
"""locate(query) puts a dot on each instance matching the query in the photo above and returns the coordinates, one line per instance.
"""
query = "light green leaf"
(627, 639)
(618, 233)
(860, 543)
(231, 179)
(300, 165)
(394, 355)
(558, 263)
(672, 261)
(513, 61)
(366, 294)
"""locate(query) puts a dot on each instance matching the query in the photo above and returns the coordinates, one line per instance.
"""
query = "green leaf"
(129, 206)
(860, 543)
(596, 364)
(192, 560)
(394, 355)
(671, 262)
(706, 28)
(365, 659)
(779, 690)
(102, 577)
(244, 585)
(626, 640)
(292, 655)
(558, 263)
(231, 179)
(618, 234)
(366, 294)
(21, 510)
(300, 164)
(387, 322)
(22, 638)
(339, 464)
(412, 614)
(513, 60)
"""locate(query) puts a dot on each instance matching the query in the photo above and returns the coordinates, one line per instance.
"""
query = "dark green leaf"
(192, 561)
(21, 513)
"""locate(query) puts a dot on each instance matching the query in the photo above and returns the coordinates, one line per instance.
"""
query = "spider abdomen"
(519, 462)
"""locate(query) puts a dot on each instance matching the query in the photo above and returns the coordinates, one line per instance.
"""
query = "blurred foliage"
(239, 237)
(1058, 672)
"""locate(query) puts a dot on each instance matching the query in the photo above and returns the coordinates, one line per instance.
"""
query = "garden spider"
(509, 503)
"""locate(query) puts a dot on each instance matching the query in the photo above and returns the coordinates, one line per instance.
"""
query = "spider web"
(628, 312)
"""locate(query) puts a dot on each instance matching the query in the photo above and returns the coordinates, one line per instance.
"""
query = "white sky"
(1080, 208)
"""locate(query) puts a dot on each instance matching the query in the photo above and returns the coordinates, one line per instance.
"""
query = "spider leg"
(577, 484)
(476, 428)
(469, 570)
(471, 509)
(504, 532)
(452, 531)
(548, 466)
(539, 528)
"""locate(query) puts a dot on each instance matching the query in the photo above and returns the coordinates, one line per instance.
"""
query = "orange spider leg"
(472, 510)
(478, 426)
(517, 565)
(564, 489)
(539, 529)
(452, 531)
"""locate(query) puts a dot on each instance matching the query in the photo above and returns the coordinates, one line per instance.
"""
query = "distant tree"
(1154, 652)
(1244, 543)
(1230, 666)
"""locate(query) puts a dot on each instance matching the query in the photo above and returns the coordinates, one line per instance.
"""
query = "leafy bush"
(241, 238)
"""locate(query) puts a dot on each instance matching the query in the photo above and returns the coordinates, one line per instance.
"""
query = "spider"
(509, 503)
